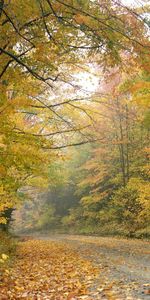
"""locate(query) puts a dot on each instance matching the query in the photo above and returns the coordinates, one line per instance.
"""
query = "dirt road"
(124, 265)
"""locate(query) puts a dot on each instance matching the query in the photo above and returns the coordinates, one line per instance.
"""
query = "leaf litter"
(57, 270)
(47, 270)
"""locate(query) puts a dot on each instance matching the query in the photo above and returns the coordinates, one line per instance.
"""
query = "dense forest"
(74, 149)
(74, 117)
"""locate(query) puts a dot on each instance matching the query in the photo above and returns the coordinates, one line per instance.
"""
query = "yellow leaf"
(4, 256)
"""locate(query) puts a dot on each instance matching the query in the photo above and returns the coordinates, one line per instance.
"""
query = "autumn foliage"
(47, 270)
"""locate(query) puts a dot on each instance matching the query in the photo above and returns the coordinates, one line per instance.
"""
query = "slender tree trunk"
(122, 158)
(141, 136)
(127, 143)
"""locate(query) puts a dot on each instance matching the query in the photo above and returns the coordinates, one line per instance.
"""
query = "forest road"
(124, 265)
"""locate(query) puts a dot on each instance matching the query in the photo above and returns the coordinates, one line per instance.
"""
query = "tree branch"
(10, 61)
(16, 29)
(33, 73)
(72, 145)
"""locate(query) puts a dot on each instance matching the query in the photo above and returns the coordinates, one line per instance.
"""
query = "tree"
(41, 43)
(115, 177)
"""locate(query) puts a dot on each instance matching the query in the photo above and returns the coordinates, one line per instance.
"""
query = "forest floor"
(67, 267)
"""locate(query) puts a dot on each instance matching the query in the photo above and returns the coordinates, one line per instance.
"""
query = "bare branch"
(44, 22)
(72, 145)
(19, 131)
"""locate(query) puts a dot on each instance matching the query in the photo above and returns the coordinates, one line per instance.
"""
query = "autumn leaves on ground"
(76, 267)
(47, 270)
